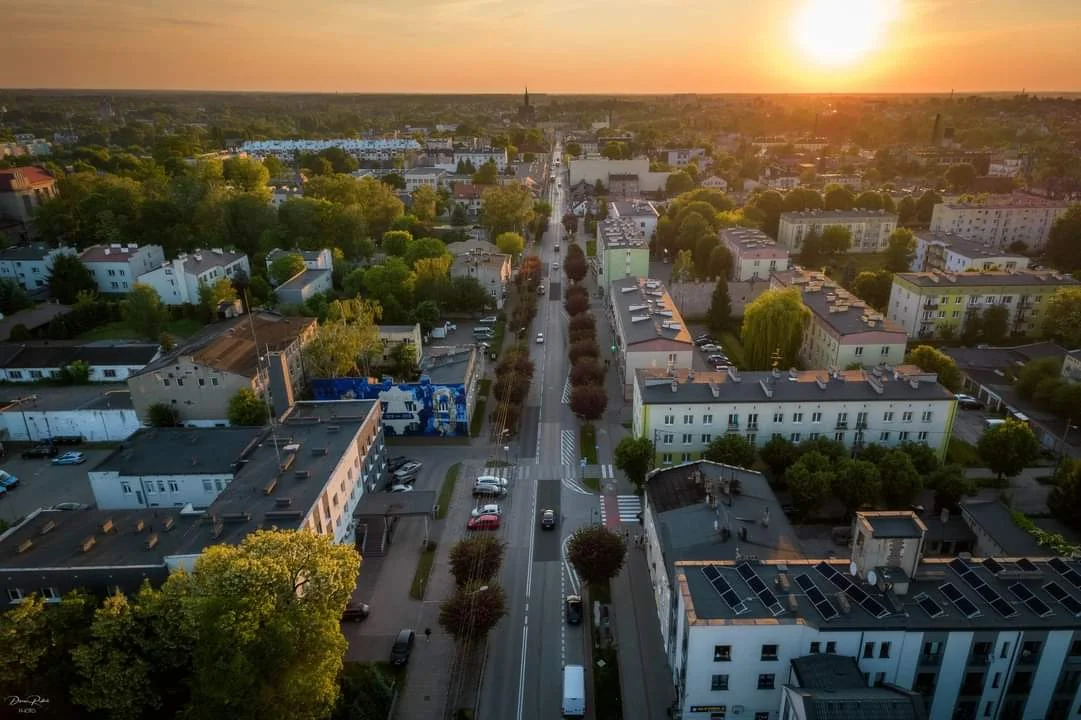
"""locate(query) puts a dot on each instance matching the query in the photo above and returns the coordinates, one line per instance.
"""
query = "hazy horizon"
(588, 47)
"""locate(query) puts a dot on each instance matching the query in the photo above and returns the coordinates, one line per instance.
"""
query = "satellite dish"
(852, 569)
(872, 577)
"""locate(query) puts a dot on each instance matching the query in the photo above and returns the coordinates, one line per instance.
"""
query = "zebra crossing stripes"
(617, 509)
(567, 451)
(566, 399)
(607, 472)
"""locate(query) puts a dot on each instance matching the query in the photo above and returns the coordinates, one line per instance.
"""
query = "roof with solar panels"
(893, 589)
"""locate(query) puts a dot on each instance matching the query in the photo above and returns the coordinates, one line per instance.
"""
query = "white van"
(574, 691)
(989, 423)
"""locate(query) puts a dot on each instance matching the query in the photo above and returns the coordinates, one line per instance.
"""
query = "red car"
(483, 522)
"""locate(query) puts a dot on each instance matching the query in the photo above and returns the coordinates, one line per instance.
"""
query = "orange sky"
(556, 46)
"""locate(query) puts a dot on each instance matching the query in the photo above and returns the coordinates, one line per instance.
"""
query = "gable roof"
(23, 178)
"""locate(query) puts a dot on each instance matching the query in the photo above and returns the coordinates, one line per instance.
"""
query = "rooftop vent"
(282, 515)
(170, 522)
(333, 428)
(89, 543)
(302, 474)
(140, 525)
(152, 541)
(48, 526)
(319, 452)
(875, 383)
(236, 517)
(675, 385)
(25, 545)
(766, 388)
(107, 526)
(715, 389)
(822, 384)
(219, 528)
(283, 502)
(733, 374)
(639, 318)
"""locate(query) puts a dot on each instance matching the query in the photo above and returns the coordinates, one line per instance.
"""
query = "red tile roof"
(466, 191)
(23, 178)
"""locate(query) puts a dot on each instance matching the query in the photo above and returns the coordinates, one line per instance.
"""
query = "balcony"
(841, 425)
(861, 424)
(930, 305)
(752, 427)
(931, 659)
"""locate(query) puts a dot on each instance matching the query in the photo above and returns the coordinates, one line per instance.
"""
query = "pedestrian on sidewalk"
(428, 635)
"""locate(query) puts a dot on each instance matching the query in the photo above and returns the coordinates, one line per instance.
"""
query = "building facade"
(30, 266)
(491, 270)
(870, 229)
(648, 329)
(755, 255)
(303, 286)
(682, 411)
(1000, 220)
(394, 335)
(22, 191)
(116, 268)
(593, 169)
(622, 251)
(479, 158)
(177, 281)
(32, 363)
(313, 259)
(954, 254)
(418, 177)
(924, 303)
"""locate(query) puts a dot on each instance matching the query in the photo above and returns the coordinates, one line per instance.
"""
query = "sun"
(842, 32)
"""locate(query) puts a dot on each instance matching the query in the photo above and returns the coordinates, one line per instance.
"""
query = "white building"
(394, 335)
(622, 250)
(870, 229)
(642, 213)
(303, 286)
(594, 169)
(281, 194)
(177, 281)
(478, 157)
(313, 259)
(682, 410)
(682, 157)
(116, 267)
(1000, 220)
(954, 254)
(715, 183)
(754, 254)
(842, 330)
(417, 177)
(30, 266)
(648, 329)
(381, 149)
(1006, 166)
(31, 363)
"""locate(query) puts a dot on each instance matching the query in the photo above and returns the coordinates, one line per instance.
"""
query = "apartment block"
(648, 328)
(116, 268)
(1000, 220)
(870, 229)
(622, 250)
(177, 281)
(30, 265)
(954, 254)
(755, 255)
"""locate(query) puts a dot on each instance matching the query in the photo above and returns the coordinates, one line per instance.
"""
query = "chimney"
(281, 387)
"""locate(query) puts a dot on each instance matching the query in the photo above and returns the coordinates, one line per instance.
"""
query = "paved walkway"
(1026, 493)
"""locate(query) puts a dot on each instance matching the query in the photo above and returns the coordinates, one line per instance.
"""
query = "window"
(885, 350)
(778, 417)
(733, 420)
(887, 416)
(761, 715)
(765, 681)
(109, 373)
(927, 416)
(816, 417)
(1005, 650)
(173, 486)
(922, 436)
(718, 683)
(208, 486)
(149, 487)
(842, 419)
(996, 680)
(15, 594)
(722, 653)
(906, 417)
(707, 419)
(884, 650)
(1029, 650)
(859, 351)
(218, 486)
(988, 708)
(165, 382)
(15, 374)
(161, 486)
(214, 382)
(769, 652)
(794, 437)
(667, 438)
(688, 438)
(666, 458)
(669, 419)
(868, 650)
(816, 648)
(797, 418)
(50, 593)
(707, 438)
(831, 647)
(752, 421)
(1075, 648)
(36, 374)
(839, 437)
(884, 436)
(903, 436)
(814, 436)
(125, 487)
(688, 419)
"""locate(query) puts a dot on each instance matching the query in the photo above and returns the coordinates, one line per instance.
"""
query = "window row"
(795, 418)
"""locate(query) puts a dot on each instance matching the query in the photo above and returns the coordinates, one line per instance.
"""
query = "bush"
(19, 333)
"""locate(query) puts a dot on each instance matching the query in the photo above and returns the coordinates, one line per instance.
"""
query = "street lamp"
(506, 454)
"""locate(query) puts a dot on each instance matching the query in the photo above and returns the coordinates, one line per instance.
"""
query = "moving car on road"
(483, 522)
(492, 480)
(356, 612)
(540, 338)
(574, 609)
(548, 519)
(403, 647)
(488, 490)
(7, 480)
(70, 458)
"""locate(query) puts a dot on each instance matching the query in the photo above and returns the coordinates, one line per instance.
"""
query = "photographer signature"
(30, 702)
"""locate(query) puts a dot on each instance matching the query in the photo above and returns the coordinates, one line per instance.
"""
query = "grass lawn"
(859, 261)
(591, 248)
(732, 345)
(183, 328)
(478, 417)
(962, 453)
(588, 441)
(424, 569)
(447, 490)
(593, 483)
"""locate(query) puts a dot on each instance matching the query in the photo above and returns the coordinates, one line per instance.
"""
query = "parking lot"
(42, 484)
(968, 425)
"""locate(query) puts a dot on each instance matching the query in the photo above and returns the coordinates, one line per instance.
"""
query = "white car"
(711, 348)
(401, 488)
(492, 480)
(540, 338)
(486, 510)
(490, 320)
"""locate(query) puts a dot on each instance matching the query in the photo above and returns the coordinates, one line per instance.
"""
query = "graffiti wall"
(420, 408)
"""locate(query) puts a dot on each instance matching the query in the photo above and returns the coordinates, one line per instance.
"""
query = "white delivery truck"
(574, 691)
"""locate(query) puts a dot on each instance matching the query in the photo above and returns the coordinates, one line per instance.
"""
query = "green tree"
(800, 199)
(995, 324)
(808, 481)
(143, 311)
(506, 208)
(773, 323)
(901, 250)
(476, 559)
(873, 287)
(677, 183)
(925, 206)
(770, 204)
(285, 267)
(719, 316)
(720, 262)
(574, 149)
(212, 296)
(333, 351)
(613, 151)
(731, 449)
(275, 167)
(693, 229)
(1063, 240)
(510, 243)
(961, 177)
(488, 174)
(1064, 502)
(933, 360)
(68, 277)
(596, 553)
(427, 248)
(13, 297)
(901, 481)
(635, 457)
(247, 409)
(838, 197)
(247, 175)
(869, 200)
(779, 453)
(1008, 448)
(856, 484)
(835, 239)
(425, 200)
(950, 485)
(473, 610)
(906, 210)
(396, 242)
(1061, 319)
(923, 457)
(162, 415)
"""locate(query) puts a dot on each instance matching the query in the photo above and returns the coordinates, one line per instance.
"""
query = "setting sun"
(841, 32)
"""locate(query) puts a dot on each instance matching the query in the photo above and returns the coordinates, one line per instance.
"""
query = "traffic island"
(424, 569)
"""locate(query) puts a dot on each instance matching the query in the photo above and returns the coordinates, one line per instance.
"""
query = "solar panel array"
(1068, 601)
(1033, 603)
(1027, 565)
(993, 565)
(929, 605)
(857, 594)
(985, 591)
(962, 603)
(822, 604)
(759, 588)
(1071, 575)
(733, 600)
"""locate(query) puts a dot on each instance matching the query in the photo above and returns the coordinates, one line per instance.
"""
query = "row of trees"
(478, 601)
(588, 396)
(514, 373)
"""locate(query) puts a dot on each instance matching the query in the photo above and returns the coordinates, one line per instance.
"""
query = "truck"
(440, 331)
(574, 691)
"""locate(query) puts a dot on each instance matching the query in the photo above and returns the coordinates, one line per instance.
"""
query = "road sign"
(613, 348)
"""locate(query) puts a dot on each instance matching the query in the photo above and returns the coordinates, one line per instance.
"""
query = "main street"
(527, 651)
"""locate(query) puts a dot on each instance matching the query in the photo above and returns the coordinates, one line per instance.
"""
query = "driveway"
(42, 484)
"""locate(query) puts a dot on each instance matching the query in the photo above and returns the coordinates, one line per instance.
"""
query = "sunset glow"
(841, 32)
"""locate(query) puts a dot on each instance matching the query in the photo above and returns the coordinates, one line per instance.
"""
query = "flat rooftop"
(181, 451)
(303, 279)
(621, 233)
(1008, 202)
(450, 366)
(964, 246)
(99, 396)
(751, 239)
(632, 208)
(647, 312)
(983, 278)
(836, 307)
(903, 383)
(838, 215)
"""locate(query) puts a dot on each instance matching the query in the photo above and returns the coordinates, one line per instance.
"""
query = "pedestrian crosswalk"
(566, 399)
(617, 509)
(567, 451)
(607, 472)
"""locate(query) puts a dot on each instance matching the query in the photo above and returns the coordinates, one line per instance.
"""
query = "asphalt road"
(526, 652)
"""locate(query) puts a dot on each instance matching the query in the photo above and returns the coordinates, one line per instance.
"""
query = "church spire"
(527, 96)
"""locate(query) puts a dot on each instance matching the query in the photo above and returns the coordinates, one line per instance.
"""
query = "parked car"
(483, 522)
(356, 612)
(705, 340)
(410, 469)
(396, 462)
(490, 320)
(574, 609)
(548, 519)
(489, 509)
(710, 348)
(41, 450)
(492, 480)
(488, 490)
(69, 506)
(967, 402)
(401, 488)
(403, 647)
(3, 491)
(7, 480)
(70, 458)
(394, 482)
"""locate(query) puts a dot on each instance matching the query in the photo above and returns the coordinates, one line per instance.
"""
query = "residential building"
(394, 335)
(116, 267)
(491, 270)
(622, 251)
(30, 363)
(648, 329)
(1071, 365)
(313, 259)
(303, 286)
(281, 194)
(36, 319)
(781, 181)
(380, 149)
(642, 213)
(954, 254)
(199, 377)
(30, 265)
(310, 475)
(852, 180)
(842, 330)
(478, 157)
(1000, 220)
(623, 185)
(424, 176)
(105, 416)
(821, 684)
(1006, 165)
(177, 281)
(593, 169)
(682, 157)
(22, 192)
(973, 637)
(714, 182)
(870, 229)
(923, 303)
(469, 196)
(683, 410)
(754, 254)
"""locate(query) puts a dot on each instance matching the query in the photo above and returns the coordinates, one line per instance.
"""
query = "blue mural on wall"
(409, 408)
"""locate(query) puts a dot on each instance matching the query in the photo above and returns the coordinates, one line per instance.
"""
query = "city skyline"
(636, 47)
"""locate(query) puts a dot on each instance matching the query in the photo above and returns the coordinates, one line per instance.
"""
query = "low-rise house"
(35, 319)
(755, 255)
(468, 196)
(28, 363)
(116, 267)
(22, 191)
(682, 157)
(714, 182)
(491, 270)
(177, 281)
(281, 194)
(30, 265)
(304, 285)
(394, 335)
(103, 415)
(313, 259)
(953, 254)
(418, 177)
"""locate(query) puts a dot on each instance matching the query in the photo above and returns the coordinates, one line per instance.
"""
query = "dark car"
(574, 610)
(548, 519)
(396, 462)
(967, 402)
(403, 647)
(42, 450)
(356, 612)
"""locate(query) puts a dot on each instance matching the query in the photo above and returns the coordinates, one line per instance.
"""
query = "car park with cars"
(69, 458)
(41, 450)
